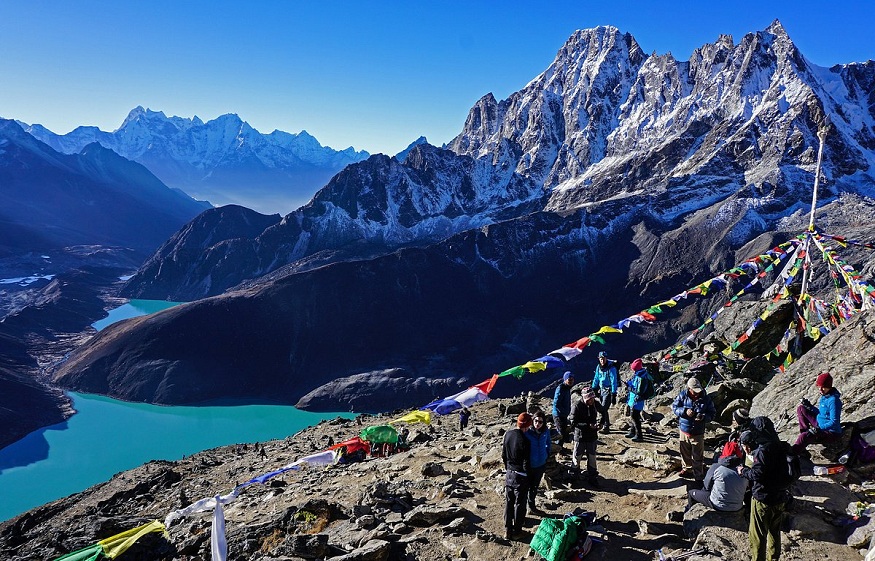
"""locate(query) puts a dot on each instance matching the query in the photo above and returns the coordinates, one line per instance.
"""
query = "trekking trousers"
(765, 531)
(692, 448)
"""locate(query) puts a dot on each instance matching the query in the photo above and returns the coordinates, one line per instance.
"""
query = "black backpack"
(794, 465)
(646, 388)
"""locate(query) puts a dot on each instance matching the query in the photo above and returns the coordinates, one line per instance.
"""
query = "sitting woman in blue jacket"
(822, 423)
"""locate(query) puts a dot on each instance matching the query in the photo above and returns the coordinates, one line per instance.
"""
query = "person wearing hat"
(516, 454)
(539, 440)
(769, 493)
(740, 423)
(562, 407)
(822, 423)
(636, 401)
(605, 382)
(584, 421)
(693, 408)
(724, 488)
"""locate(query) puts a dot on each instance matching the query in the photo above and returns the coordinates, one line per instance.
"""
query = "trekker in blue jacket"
(539, 438)
(635, 401)
(562, 407)
(822, 423)
(605, 382)
(693, 408)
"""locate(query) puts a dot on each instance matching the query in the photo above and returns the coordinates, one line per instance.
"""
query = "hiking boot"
(508, 534)
(631, 434)
(606, 429)
(686, 473)
(638, 438)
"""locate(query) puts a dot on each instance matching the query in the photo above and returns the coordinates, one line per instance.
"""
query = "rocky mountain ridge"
(223, 160)
(605, 126)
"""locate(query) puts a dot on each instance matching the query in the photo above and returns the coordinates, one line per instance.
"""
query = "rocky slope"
(224, 160)
(442, 499)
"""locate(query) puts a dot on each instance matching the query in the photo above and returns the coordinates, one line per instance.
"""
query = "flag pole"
(806, 268)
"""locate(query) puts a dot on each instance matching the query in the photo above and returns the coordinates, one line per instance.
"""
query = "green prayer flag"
(90, 553)
(516, 372)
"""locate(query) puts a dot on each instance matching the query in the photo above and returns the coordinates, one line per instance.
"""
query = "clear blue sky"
(373, 75)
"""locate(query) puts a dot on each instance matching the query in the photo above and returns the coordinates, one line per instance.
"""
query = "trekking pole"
(686, 554)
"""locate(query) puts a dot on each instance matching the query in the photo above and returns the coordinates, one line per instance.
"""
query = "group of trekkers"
(753, 467)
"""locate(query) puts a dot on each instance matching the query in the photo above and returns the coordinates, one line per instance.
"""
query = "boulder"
(426, 515)
(848, 353)
(374, 550)
(699, 516)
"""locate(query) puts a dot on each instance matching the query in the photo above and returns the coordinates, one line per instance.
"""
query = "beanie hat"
(693, 385)
(748, 438)
(741, 416)
(603, 354)
(567, 376)
(824, 380)
(732, 448)
(637, 365)
(524, 420)
(587, 394)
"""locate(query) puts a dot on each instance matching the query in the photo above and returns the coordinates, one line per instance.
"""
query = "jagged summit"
(224, 160)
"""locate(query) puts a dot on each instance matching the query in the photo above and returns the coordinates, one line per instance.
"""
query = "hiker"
(770, 483)
(539, 441)
(820, 424)
(740, 423)
(402, 439)
(562, 407)
(636, 399)
(693, 408)
(605, 382)
(724, 488)
(584, 421)
(464, 415)
(516, 453)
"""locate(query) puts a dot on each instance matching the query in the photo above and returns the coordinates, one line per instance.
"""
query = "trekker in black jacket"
(770, 492)
(516, 453)
(584, 420)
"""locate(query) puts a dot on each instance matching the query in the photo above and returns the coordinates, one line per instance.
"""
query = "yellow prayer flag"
(119, 543)
(608, 329)
(532, 366)
(415, 417)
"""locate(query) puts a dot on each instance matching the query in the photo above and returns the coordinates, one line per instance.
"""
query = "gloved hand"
(613, 399)
(813, 431)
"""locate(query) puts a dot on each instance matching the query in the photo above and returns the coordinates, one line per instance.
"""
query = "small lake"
(107, 436)
(132, 309)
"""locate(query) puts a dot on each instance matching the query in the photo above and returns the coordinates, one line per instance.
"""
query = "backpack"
(646, 388)
(794, 465)
(555, 537)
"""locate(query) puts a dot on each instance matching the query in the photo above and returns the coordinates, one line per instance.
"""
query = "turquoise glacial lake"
(107, 436)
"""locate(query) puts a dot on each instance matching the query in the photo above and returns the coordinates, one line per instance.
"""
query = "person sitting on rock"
(516, 454)
(822, 423)
(693, 408)
(740, 423)
(584, 421)
(724, 488)
(539, 440)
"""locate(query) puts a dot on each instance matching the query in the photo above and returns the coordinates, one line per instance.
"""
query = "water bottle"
(828, 470)
(844, 458)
